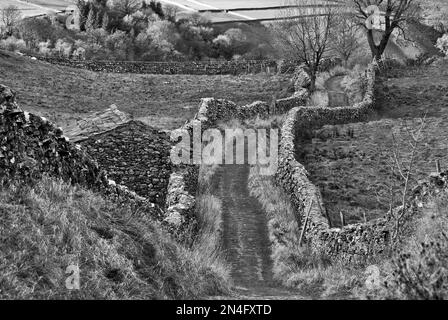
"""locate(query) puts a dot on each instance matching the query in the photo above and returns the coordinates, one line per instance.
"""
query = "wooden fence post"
(302, 233)
(342, 218)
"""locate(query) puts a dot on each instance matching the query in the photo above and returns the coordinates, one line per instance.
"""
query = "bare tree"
(345, 37)
(9, 18)
(303, 32)
(403, 167)
(394, 13)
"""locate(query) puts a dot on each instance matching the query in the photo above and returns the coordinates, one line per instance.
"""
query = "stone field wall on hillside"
(233, 67)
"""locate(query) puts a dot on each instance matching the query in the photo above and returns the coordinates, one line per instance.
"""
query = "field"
(350, 162)
(166, 101)
(255, 12)
(36, 7)
(242, 10)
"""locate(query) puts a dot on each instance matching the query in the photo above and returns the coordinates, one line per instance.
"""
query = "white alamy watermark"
(72, 282)
(375, 20)
(228, 146)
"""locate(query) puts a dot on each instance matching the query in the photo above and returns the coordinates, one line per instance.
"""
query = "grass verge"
(297, 266)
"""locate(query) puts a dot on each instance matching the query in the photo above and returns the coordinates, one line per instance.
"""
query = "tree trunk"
(373, 47)
(378, 50)
(313, 76)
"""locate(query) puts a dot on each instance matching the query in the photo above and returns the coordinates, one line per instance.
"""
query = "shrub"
(13, 44)
(79, 53)
(423, 275)
(119, 43)
(62, 48)
(442, 44)
(44, 48)
(37, 30)
(420, 271)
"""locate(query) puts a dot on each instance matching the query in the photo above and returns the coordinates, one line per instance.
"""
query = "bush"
(442, 44)
(13, 44)
(44, 48)
(424, 275)
(63, 49)
(420, 271)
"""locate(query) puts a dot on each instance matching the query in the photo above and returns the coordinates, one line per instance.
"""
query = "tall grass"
(420, 269)
(298, 266)
(208, 243)
(121, 253)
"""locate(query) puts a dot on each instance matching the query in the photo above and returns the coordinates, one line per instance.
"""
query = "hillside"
(166, 101)
(121, 255)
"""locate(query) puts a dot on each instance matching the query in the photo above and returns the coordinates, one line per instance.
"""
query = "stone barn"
(132, 153)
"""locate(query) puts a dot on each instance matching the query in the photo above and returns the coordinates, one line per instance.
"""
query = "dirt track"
(246, 241)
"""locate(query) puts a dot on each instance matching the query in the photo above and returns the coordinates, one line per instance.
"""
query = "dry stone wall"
(232, 67)
(351, 242)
